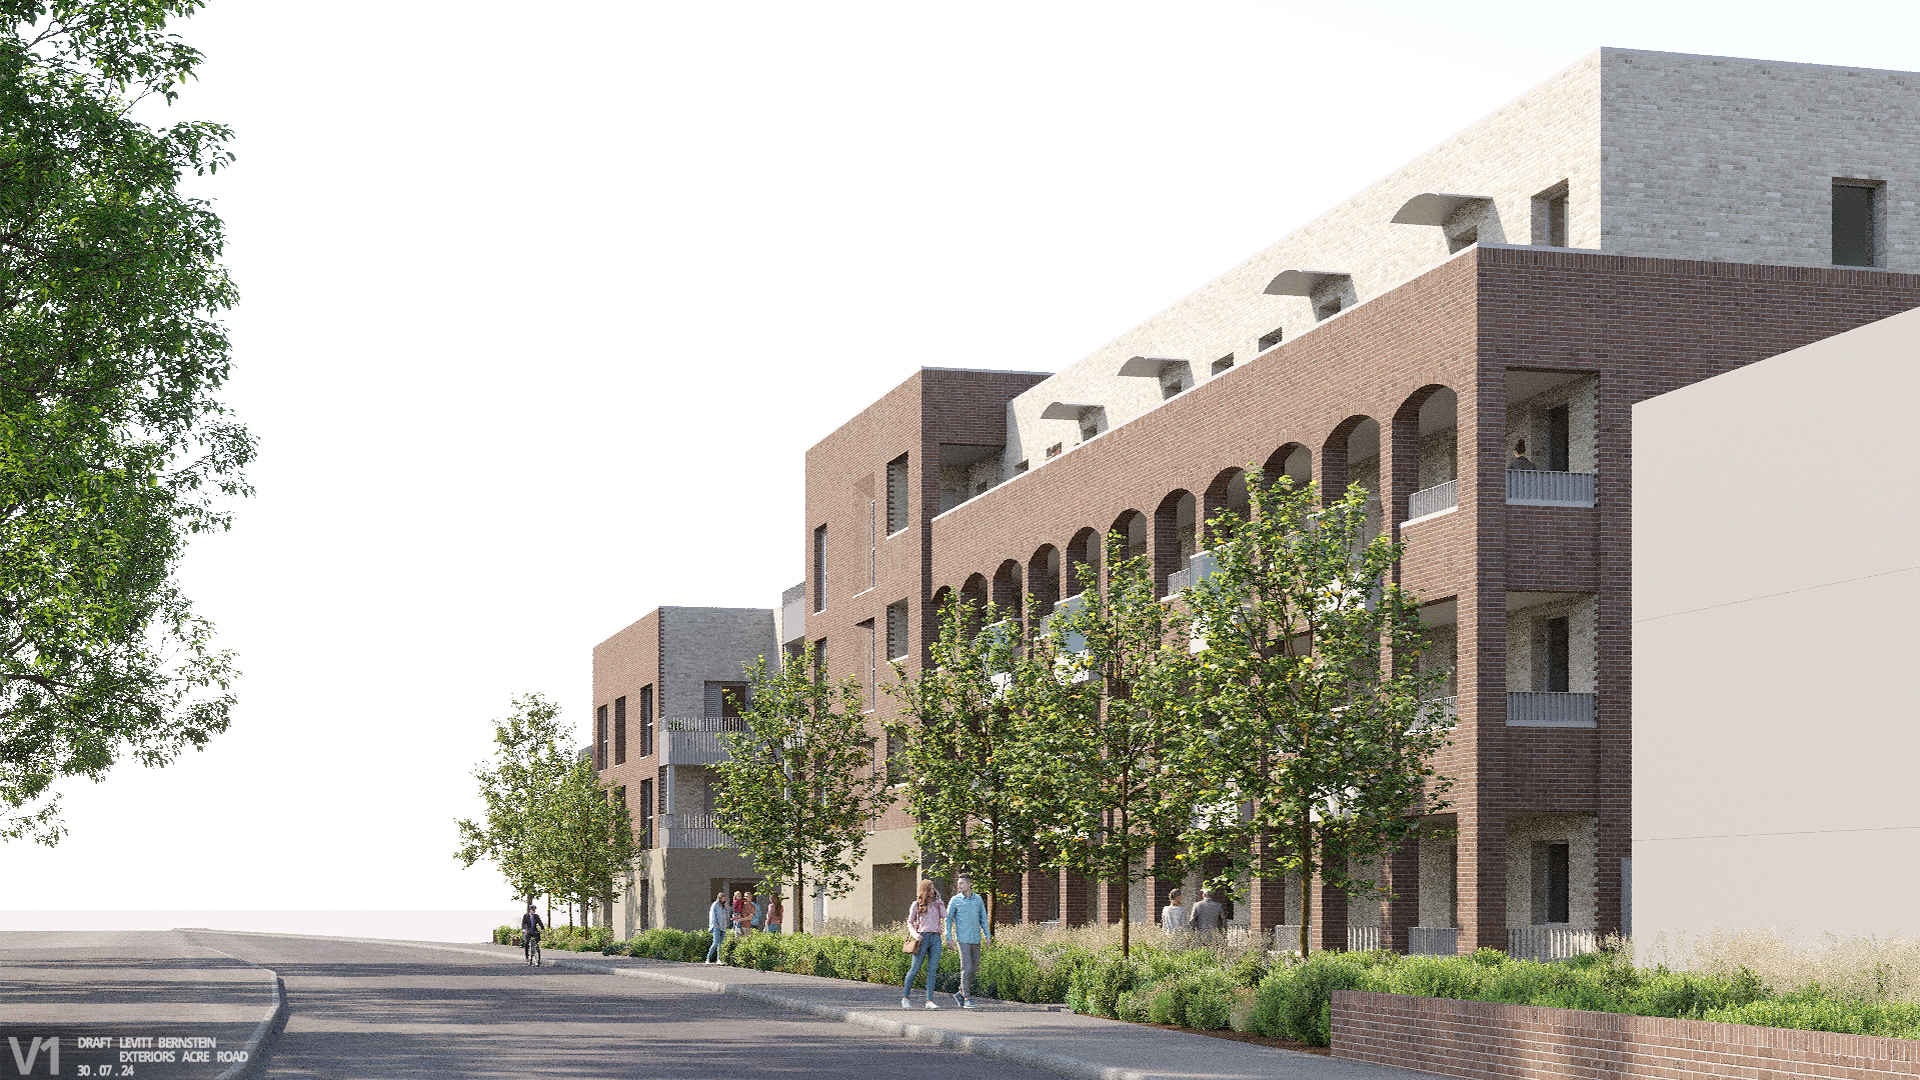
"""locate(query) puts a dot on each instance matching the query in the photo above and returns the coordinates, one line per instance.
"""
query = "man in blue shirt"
(717, 918)
(967, 929)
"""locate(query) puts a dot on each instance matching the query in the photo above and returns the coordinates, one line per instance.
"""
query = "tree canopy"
(114, 448)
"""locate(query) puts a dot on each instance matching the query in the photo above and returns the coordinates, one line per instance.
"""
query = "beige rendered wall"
(1776, 590)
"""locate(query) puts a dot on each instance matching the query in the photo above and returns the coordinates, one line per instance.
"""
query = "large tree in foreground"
(113, 446)
(800, 784)
(584, 837)
(519, 787)
(1318, 732)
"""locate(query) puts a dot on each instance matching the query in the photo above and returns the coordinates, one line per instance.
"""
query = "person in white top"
(1173, 917)
(926, 918)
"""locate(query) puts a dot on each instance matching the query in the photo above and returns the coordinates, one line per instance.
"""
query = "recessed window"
(619, 731)
(1552, 874)
(1856, 214)
(820, 568)
(1328, 308)
(1054, 450)
(896, 494)
(600, 737)
(1550, 212)
(1559, 667)
(1223, 363)
(897, 630)
(646, 721)
(1269, 339)
(1020, 467)
(1559, 444)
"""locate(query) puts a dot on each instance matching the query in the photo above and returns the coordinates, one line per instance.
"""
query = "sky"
(542, 307)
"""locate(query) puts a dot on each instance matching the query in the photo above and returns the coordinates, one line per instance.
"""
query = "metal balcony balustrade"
(1363, 938)
(691, 831)
(1550, 942)
(1200, 565)
(1542, 487)
(1441, 712)
(1542, 709)
(695, 740)
(1433, 940)
(1437, 499)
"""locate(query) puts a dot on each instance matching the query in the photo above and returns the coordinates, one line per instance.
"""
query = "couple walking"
(965, 926)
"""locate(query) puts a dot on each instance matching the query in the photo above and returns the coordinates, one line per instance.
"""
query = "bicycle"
(531, 945)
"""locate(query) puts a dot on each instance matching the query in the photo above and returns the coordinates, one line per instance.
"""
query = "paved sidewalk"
(1046, 1037)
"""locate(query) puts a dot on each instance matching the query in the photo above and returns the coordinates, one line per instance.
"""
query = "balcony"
(1436, 500)
(691, 831)
(1550, 942)
(1363, 938)
(1539, 709)
(1540, 487)
(1433, 940)
(1199, 566)
(695, 740)
(1441, 712)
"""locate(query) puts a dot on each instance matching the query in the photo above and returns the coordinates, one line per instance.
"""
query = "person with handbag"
(925, 919)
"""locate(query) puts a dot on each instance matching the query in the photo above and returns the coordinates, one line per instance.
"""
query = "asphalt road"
(386, 1011)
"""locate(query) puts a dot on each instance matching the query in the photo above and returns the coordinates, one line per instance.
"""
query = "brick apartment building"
(1639, 222)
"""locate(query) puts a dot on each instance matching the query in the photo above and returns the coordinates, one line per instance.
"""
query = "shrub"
(1010, 973)
(1297, 1003)
(1094, 986)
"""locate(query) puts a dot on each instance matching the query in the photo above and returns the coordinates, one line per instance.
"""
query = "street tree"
(966, 753)
(800, 783)
(1319, 735)
(519, 786)
(1118, 737)
(114, 448)
(584, 838)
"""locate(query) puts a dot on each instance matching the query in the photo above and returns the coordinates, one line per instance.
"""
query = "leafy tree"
(1318, 747)
(966, 742)
(800, 784)
(519, 787)
(1117, 740)
(584, 837)
(113, 447)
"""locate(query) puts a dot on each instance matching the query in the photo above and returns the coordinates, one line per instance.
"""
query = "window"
(873, 664)
(1174, 377)
(1054, 450)
(1551, 876)
(645, 833)
(1550, 216)
(897, 630)
(1557, 658)
(662, 806)
(619, 731)
(600, 737)
(1855, 224)
(1269, 339)
(725, 699)
(820, 661)
(896, 769)
(873, 541)
(646, 721)
(1223, 363)
(896, 495)
(1020, 467)
(1327, 308)
(1557, 440)
(1088, 429)
(820, 568)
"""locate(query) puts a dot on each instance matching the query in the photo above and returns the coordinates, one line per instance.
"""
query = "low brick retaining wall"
(1480, 1039)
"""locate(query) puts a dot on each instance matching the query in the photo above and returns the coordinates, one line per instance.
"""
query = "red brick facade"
(1639, 326)
(1478, 1039)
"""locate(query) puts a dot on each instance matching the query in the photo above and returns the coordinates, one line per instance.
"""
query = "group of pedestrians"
(963, 924)
(1207, 917)
(747, 913)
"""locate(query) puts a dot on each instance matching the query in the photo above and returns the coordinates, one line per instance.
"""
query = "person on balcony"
(1520, 458)
(1173, 917)
(717, 922)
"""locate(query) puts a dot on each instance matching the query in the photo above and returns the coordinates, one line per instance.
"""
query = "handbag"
(911, 946)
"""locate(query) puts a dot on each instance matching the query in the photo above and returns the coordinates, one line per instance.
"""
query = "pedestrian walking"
(968, 928)
(1173, 917)
(717, 916)
(759, 911)
(925, 920)
(776, 914)
(1210, 916)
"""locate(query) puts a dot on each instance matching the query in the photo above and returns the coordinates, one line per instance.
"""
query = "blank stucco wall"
(1775, 592)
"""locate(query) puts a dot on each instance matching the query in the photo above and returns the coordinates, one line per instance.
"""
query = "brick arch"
(1175, 534)
(1043, 578)
(1008, 587)
(1294, 459)
(1336, 456)
(1434, 406)
(1082, 550)
(975, 591)
(1134, 526)
(1227, 492)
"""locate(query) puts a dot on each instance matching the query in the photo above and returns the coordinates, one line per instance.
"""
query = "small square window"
(1223, 363)
(1327, 308)
(1550, 216)
(1020, 467)
(1054, 450)
(1271, 338)
(1856, 214)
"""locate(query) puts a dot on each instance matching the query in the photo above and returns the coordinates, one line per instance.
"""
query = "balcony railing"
(1537, 709)
(695, 740)
(1441, 712)
(1434, 500)
(691, 831)
(1550, 942)
(1433, 940)
(1198, 566)
(1286, 938)
(1541, 487)
(1363, 938)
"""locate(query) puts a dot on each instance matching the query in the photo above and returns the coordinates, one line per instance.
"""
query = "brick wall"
(1480, 1039)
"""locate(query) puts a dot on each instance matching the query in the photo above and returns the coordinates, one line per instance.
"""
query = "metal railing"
(1550, 942)
(1441, 712)
(1287, 938)
(1541, 709)
(1199, 566)
(695, 740)
(1363, 938)
(691, 831)
(1433, 940)
(1540, 487)
(1430, 501)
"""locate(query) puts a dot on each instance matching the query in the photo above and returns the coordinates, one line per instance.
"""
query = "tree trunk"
(799, 902)
(1306, 885)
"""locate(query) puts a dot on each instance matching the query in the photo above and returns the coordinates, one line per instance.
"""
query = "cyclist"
(530, 927)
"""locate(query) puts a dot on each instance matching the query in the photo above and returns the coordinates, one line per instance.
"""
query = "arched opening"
(1426, 453)
(1174, 536)
(1228, 493)
(1350, 455)
(1132, 526)
(1292, 460)
(974, 592)
(1084, 550)
(1043, 579)
(1007, 590)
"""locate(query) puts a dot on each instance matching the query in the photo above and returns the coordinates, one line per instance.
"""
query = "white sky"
(539, 316)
